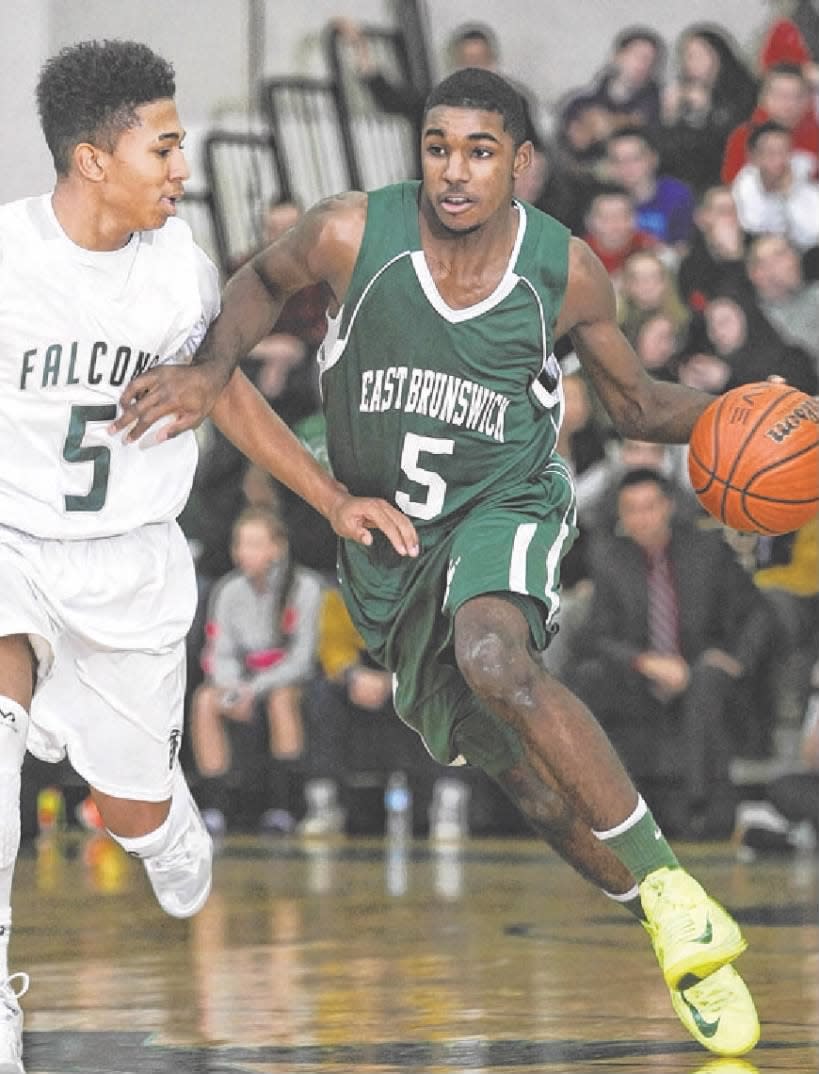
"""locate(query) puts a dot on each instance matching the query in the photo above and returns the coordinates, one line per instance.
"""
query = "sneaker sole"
(708, 1033)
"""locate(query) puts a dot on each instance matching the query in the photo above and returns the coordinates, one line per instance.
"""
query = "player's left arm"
(640, 407)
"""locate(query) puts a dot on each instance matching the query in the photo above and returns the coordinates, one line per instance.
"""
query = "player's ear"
(523, 159)
(89, 162)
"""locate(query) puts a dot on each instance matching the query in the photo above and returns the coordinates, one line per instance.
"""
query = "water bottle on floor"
(398, 807)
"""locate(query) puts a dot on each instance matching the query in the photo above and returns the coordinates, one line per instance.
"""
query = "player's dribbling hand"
(184, 394)
(354, 517)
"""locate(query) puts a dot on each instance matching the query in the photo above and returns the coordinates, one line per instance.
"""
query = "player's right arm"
(321, 247)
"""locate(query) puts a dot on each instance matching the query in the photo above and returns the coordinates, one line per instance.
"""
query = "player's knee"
(14, 722)
(496, 669)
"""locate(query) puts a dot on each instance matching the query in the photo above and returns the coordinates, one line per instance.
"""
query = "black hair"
(475, 31)
(638, 33)
(89, 92)
(474, 87)
(634, 131)
(770, 126)
(793, 70)
(642, 474)
(606, 190)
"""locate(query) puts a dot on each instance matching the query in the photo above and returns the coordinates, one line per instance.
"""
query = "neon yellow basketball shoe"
(719, 1013)
(692, 935)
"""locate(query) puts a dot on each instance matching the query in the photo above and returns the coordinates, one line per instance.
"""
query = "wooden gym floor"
(346, 956)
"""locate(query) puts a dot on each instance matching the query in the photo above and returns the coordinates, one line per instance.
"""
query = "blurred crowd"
(692, 170)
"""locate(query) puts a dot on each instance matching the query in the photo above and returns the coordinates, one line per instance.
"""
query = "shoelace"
(711, 995)
(11, 993)
(678, 922)
(178, 857)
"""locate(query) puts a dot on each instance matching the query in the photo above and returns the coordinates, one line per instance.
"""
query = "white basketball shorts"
(107, 620)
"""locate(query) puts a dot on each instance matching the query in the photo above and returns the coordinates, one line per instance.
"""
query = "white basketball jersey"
(75, 327)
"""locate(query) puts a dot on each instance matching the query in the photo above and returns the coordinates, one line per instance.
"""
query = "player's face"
(145, 172)
(469, 165)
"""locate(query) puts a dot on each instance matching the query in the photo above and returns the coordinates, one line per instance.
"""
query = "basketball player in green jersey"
(443, 396)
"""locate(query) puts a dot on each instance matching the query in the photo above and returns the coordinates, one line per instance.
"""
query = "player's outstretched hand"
(182, 394)
(354, 517)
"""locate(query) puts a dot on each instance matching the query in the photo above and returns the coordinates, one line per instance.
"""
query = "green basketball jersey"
(433, 408)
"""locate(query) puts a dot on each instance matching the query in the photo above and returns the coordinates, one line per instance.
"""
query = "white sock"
(13, 733)
(162, 838)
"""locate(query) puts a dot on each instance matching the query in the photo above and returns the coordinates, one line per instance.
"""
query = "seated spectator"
(656, 345)
(712, 93)
(715, 260)
(791, 804)
(784, 43)
(628, 88)
(741, 347)
(262, 636)
(664, 206)
(611, 229)
(787, 571)
(774, 191)
(785, 98)
(583, 131)
(648, 288)
(353, 728)
(676, 627)
(790, 304)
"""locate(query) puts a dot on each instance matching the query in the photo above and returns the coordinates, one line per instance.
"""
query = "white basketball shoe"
(181, 876)
(11, 1024)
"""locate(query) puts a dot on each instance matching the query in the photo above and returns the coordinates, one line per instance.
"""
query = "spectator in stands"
(611, 229)
(352, 728)
(785, 41)
(784, 97)
(774, 191)
(788, 573)
(664, 205)
(628, 88)
(792, 799)
(675, 626)
(583, 131)
(656, 343)
(715, 261)
(741, 348)
(648, 288)
(788, 302)
(712, 93)
(262, 635)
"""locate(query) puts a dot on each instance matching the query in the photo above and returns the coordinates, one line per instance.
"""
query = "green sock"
(631, 901)
(639, 844)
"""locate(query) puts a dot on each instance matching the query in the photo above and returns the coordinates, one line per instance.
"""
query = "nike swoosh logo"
(708, 935)
(708, 1029)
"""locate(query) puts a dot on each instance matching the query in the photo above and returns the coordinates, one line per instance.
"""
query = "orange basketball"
(753, 458)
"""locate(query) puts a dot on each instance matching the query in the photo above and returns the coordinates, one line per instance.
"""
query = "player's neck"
(85, 222)
(468, 253)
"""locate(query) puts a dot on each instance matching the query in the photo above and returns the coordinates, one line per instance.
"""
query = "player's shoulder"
(26, 215)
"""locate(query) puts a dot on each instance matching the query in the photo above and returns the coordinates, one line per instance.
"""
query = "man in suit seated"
(675, 630)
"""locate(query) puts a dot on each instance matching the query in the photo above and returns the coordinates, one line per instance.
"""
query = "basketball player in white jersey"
(98, 282)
